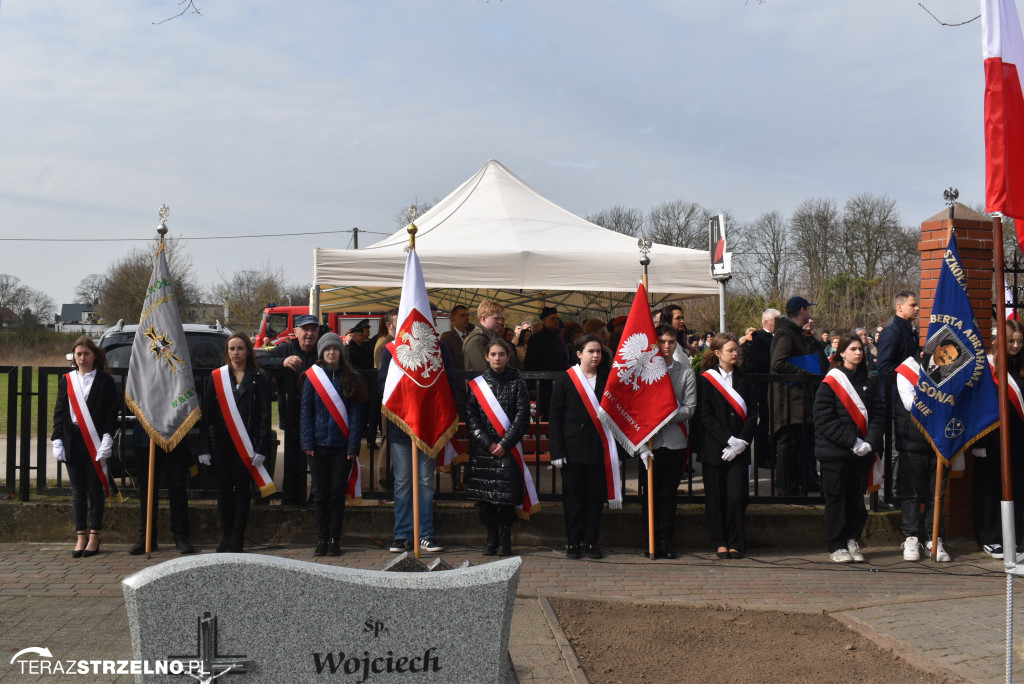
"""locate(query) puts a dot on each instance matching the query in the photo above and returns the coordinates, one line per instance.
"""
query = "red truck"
(278, 323)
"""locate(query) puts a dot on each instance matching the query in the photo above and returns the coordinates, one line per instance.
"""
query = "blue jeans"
(401, 462)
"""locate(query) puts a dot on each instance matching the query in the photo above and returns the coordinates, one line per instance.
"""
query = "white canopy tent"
(496, 237)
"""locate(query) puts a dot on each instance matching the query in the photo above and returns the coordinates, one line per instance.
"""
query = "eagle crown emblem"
(641, 361)
(419, 349)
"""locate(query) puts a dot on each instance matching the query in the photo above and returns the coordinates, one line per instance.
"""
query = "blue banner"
(956, 401)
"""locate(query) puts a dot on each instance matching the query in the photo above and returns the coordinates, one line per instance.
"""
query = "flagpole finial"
(163, 212)
(951, 195)
(645, 245)
(412, 227)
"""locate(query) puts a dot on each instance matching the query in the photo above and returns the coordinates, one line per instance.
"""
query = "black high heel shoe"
(77, 553)
(86, 552)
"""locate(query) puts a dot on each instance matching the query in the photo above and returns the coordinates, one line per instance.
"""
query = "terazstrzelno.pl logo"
(40, 661)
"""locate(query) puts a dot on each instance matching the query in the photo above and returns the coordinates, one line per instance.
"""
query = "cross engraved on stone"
(213, 664)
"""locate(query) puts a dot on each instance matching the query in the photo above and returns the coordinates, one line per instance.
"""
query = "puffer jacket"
(835, 433)
(317, 426)
(497, 480)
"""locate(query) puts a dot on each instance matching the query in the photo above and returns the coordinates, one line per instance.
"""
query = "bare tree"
(620, 219)
(679, 223)
(813, 227)
(418, 208)
(768, 238)
(31, 306)
(128, 277)
(90, 289)
(246, 293)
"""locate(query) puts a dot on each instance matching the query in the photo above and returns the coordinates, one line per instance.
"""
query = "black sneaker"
(334, 549)
(398, 546)
(139, 548)
(321, 549)
(182, 545)
(572, 552)
(430, 546)
(594, 552)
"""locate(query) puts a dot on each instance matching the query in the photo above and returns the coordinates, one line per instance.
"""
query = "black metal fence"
(29, 419)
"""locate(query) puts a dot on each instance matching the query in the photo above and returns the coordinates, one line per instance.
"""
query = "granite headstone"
(271, 619)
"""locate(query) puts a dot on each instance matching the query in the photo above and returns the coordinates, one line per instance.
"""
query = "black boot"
(505, 541)
(491, 545)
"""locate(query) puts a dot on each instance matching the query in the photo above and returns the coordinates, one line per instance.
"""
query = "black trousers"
(915, 485)
(233, 494)
(668, 471)
(172, 473)
(725, 497)
(762, 446)
(794, 471)
(495, 515)
(329, 468)
(293, 483)
(583, 490)
(87, 498)
(842, 484)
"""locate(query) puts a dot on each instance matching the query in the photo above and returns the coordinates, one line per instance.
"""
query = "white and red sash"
(500, 422)
(236, 428)
(714, 376)
(336, 407)
(611, 454)
(843, 388)
(1012, 390)
(76, 397)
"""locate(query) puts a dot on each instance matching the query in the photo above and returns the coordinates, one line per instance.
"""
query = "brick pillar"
(974, 240)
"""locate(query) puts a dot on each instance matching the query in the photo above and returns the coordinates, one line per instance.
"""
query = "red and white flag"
(638, 399)
(416, 392)
(1003, 50)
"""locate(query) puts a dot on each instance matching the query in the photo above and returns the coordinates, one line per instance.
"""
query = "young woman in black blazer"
(727, 422)
(92, 376)
(251, 391)
(578, 451)
(845, 441)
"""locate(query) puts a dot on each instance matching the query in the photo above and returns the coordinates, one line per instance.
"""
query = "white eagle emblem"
(641, 361)
(419, 349)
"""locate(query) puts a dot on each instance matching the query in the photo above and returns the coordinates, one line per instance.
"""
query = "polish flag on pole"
(1003, 49)
(417, 396)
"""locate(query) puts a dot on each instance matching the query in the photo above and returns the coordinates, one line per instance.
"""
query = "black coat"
(289, 393)
(895, 343)
(757, 355)
(571, 432)
(717, 420)
(102, 404)
(498, 480)
(835, 433)
(252, 396)
(546, 351)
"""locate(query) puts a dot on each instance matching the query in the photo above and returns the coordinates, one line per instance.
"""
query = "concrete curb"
(568, 654)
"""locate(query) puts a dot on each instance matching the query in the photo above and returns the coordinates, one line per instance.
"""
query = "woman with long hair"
(578, 447)
(84, 420)
(849, 419)
(235, 436)
(988, 476)
(497, 416)
(727, 421)
(331, 426)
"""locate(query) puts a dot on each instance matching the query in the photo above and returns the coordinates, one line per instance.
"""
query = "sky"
(261, 117)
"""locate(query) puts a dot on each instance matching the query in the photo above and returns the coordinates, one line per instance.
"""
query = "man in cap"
(546, 351)
(793, 419)
(358, 351)
(294, 358)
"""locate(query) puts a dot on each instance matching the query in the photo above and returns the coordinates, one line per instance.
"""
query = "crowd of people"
(730, 412)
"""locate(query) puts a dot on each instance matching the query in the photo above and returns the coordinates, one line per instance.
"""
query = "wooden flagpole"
(645, 246)
(415, 499)
(149, 495)
(998, 285)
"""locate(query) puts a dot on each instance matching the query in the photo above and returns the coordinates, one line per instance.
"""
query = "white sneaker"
(994, 550)
(841, 556)
(854, 548)
(940, 555)
(912, 549)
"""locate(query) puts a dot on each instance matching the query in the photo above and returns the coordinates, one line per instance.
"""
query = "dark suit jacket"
(571, 431)
(102, 403)
(718, 420)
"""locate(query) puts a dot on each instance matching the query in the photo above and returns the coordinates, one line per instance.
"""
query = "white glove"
(861, 448)
(737, 444)
(106, 448)
(257, 460)
(979, 452)
(728, 454)
(647, 456)
(204, 459)
(58, 451)
(558, 463)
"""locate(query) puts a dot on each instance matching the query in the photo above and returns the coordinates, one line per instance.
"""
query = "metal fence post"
(26, 432)
(12, 427)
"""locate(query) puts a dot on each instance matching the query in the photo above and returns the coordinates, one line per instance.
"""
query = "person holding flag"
(849, 420)
(727, 421)
(332, 415)
(234, 435)
(416, 382)
(583, 449)
(84, 418)
(497, 416)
